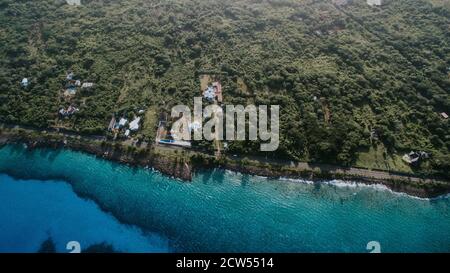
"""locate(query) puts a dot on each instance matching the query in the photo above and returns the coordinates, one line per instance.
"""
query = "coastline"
(183, 166)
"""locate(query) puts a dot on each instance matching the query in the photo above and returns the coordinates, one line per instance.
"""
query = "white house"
(411, 158)
(134, 125)
(69, 76)
(24, 82)
(122, 122)
(74, 2)
(375, 2)
(87, 85)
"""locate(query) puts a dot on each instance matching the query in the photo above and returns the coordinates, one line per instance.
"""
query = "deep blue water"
(33, 211)
(53, 193)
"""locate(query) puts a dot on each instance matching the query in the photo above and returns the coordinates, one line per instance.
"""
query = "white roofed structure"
(122, 122)
(87, 85)
(74, 2)
(24, 82)
(134, 125)
(375, 2)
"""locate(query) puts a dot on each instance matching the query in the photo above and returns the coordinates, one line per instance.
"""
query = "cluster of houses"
(118, 125)
(70, 89)
(69, 111)
(414, 158)
(213, 92)
(72, 84)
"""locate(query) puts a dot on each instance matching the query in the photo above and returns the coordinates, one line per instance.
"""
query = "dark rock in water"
(48, 246)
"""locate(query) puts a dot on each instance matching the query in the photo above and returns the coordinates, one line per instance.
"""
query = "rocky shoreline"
(182, 168)
(165, 165)
(404, 186)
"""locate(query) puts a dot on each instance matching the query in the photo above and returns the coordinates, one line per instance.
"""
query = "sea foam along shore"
(356, 184)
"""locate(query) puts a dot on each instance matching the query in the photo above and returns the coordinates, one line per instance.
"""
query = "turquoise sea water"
(135, 209)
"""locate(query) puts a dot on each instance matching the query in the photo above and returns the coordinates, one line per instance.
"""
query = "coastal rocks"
(424, 189)
(173, 168)
(165, 165)
(169, 166)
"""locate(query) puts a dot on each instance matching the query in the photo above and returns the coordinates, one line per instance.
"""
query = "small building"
(374, 2)
(374, 134)
(24, 82)
(78, 83)
(444, 115)
(87, 85)
(69, 111)
(411, 158)
(424, 155)
(414, 157)
(122, 122)
(74, 2)
(127, 133)
(69, 76)
(134, 125)
(71, 90)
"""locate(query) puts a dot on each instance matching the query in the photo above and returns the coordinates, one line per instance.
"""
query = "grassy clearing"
(149, 124)
(377, 158)
(242, 86)
(204, 81)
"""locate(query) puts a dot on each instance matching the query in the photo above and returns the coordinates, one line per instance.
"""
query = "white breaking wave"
(355, 185)
(295, 180)
(345, 184)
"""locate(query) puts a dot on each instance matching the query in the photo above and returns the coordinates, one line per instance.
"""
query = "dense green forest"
(356, 85)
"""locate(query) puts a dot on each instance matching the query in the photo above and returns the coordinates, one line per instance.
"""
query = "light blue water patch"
(32, 211)
(220, 211)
